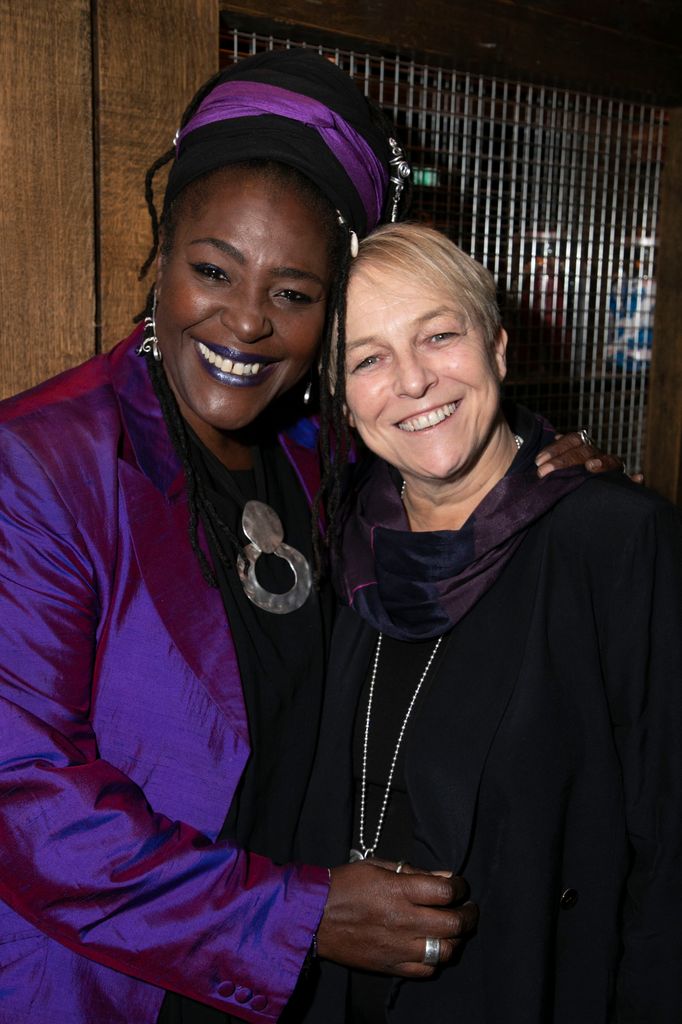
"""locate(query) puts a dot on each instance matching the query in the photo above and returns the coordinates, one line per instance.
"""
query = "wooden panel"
(663, 464)
(627, 53)
(151, 59)
(648, 19)
(46, 214)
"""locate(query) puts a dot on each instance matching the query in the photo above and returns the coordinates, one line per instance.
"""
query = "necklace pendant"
(263, 527)
(356, 855)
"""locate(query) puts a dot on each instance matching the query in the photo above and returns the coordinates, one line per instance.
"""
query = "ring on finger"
(431, 952)
(585, 437)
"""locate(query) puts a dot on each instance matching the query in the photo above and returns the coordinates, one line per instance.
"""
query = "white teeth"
(429, 419)
(226, 365)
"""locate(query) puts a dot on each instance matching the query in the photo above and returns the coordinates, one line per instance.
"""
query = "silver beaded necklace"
(365, 850)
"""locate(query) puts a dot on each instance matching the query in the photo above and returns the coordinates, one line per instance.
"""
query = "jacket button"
(569, 898)
(243, 995)
(226, 988)
(259, 1003)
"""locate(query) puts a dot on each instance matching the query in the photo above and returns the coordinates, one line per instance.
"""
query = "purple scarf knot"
(235, 99)
(413, 586)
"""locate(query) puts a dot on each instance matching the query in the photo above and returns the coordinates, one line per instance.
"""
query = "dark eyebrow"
(225, 247)
(296, 274)
(238, 256)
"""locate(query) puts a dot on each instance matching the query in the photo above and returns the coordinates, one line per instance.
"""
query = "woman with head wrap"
(161, 646)
(146, 745)
(503, 695)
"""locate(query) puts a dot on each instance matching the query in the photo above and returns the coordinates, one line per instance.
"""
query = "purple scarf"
(413, 586)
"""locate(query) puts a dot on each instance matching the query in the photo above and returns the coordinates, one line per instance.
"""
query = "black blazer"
(545, 765)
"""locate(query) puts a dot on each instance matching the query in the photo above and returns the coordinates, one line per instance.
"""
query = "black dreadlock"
(335, 434)
(177, 430)
(335, 437)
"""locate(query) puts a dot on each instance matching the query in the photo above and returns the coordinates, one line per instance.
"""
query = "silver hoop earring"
(308, 392)
(150, 343)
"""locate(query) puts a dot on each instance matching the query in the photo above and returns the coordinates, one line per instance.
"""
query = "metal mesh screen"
(557, 193)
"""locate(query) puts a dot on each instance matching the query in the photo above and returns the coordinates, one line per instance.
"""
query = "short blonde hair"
(415, 250)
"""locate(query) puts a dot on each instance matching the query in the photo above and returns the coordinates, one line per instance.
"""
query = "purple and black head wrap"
(296, 108)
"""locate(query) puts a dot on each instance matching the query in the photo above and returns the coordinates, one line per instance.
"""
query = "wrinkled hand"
(378, 920)
(571, 450)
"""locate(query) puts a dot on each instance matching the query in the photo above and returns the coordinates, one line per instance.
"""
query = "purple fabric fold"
(236, 99)
(413, 586)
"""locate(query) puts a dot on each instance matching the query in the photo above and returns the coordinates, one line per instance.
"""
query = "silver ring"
(431, 952)
(399, 866)
(585, 437)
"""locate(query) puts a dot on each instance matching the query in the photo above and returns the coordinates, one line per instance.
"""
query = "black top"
(281, 663)
(545, 762)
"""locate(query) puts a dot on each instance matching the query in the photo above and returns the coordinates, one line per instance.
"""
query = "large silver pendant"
(356, 855)
(263, 527)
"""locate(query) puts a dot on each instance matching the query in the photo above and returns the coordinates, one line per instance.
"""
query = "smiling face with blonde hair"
(425, 357)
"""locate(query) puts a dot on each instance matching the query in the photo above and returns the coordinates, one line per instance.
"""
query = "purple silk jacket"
(123, 731)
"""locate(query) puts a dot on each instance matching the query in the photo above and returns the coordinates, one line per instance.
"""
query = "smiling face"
(422, 386)
(240, 302)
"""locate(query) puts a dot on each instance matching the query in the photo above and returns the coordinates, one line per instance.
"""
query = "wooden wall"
(90, 94)
(663, 465)
(47, 238)
(151, 58)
